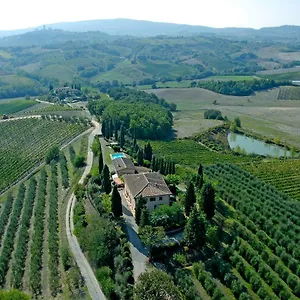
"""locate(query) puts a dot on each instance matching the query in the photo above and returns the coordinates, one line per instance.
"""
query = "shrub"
(52, 154)
(79, 161)
(104, 276)
(213, 114)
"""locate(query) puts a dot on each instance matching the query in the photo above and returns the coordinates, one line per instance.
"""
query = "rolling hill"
(143, 28)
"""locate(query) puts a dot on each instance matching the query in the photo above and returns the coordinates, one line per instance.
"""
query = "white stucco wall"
(151, 205)
(129, 197)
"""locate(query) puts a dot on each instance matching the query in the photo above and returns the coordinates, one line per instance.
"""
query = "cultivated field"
(15, 105)
(264, 260)
(25, 142)
(284, 175)
(190, 153)
(261, 113)
(34, 255)
(289, 93)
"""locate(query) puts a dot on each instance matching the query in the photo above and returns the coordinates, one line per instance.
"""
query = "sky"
(19, 14)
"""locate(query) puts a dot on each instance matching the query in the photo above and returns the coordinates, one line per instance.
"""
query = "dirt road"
(84, 266)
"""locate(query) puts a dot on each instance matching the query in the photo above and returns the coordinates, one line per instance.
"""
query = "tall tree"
(116, 131)
(116, 203)
(173, 167)
(140, 157)
(190, 199)
(156, 285)
(122, 136)
(153, 163)
(145, 217)
(103, 129)
(208, 198)
(200, 170)
(150, 236)
(100, 166)
(107, 130)
(111, 128)
(195, 230)
(106, 180)
(199, 181)
(148, 151)
(134, 137)
(140, 204)
(161, 166)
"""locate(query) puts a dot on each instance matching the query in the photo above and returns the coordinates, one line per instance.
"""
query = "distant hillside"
(52, 36)
(147, 28)
(57, 56)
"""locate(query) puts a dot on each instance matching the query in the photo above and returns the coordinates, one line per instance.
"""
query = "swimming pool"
(117, 155)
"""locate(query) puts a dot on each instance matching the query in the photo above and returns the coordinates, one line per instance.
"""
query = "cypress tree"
(103, 129)
(208, 198)
(195, 230)
(107, 129)
(111, 128)
(140, 204)
(190, 199)
(168, 167)
(145, 217)
(140, 157)
(100, 166)
(161, 166)
(173, 167)
(116, 203)
(200, 170)
(153, 164)
(106, 180)
(116, 131)
(122, 136)
(199, 181)
(148, 151)
(134, 137)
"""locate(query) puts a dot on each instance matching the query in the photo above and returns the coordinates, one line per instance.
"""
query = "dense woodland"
(144, 116)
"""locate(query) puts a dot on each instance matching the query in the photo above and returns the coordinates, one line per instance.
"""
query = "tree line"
(240, 88)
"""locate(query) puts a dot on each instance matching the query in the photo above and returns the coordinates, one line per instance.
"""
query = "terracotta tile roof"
(122, 163)
(146, 184)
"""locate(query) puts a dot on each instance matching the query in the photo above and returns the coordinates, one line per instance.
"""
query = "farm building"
(150, 186)
(123, 165)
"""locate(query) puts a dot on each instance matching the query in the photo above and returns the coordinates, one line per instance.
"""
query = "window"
(154, 206)
(160, 198)
(152, 199)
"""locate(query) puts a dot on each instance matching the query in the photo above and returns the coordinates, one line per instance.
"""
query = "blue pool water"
(117, 155)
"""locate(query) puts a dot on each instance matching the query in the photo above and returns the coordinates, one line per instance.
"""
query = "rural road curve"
(84, 266)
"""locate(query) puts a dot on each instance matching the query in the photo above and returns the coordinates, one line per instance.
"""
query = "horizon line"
(142, 20)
